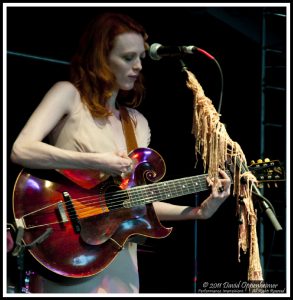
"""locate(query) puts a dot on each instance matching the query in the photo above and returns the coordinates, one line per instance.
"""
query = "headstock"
(267, 171)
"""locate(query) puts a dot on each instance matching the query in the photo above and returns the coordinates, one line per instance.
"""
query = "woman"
(82, 120)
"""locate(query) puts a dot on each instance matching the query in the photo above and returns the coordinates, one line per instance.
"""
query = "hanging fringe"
(217, 149)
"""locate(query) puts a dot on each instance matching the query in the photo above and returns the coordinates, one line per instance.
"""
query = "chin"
(127, 87)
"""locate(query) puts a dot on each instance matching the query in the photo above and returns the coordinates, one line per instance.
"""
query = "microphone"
(157, 51)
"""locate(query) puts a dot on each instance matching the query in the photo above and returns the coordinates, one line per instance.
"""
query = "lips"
(133, 76)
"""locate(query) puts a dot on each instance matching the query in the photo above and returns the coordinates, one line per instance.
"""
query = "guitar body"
(88, 228)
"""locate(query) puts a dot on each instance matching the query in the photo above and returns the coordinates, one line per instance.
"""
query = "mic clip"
(183, 65)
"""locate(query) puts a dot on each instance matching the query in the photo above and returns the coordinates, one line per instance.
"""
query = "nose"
(137, 65)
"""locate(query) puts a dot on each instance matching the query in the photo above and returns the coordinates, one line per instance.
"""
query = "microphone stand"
(266, 207)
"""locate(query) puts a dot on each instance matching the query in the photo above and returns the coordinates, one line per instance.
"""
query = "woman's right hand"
(114, 163)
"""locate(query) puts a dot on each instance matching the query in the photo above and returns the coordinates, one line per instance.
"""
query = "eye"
(128, 57)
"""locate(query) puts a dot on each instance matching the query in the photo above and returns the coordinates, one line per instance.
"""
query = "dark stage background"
(233, 35)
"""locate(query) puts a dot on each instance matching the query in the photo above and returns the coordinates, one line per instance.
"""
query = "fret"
(165, 190)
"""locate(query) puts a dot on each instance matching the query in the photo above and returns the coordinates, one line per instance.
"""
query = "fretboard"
(165, 190)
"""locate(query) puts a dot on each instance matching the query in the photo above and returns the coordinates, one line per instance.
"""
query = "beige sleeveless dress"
(80, 132)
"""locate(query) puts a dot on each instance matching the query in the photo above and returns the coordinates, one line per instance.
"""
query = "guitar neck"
(165, 190)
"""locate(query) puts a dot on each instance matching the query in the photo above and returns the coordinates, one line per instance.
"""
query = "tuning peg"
(259, 161)
(252, 162)
(266, 160)
(276, 185)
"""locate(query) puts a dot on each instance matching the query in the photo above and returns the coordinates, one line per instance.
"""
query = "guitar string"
(142, 192)
(116, 203)
(131, 197)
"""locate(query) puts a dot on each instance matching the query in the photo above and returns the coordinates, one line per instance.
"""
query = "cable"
(38, 57)
(221, 75)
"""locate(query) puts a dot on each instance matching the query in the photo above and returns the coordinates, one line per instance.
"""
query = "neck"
(111, 103)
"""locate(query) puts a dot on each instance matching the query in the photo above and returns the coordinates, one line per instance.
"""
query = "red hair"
(90, 72)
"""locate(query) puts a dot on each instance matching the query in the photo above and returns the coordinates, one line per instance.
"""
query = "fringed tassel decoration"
(216, 149)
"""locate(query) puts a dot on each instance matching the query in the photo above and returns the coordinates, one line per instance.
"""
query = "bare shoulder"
(65, 87)
(138, 119)
(134, 113)
(65, 94)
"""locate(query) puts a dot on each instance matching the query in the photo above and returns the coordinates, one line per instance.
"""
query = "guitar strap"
(131, 144)
(128, 129)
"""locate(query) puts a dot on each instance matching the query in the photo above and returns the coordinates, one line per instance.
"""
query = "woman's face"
(125, 59)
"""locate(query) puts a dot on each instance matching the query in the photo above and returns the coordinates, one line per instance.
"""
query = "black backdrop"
(209, 253)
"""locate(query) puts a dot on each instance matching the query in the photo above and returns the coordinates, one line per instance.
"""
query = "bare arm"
(208, 207)
(29, 150)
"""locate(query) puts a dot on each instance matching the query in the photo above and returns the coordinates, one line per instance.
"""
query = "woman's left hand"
(220, 188)
(220, 191)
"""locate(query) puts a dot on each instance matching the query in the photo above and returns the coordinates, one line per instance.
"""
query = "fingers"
(127, 169)
(125, 161)
(221, 189)
(123, 154)
(223, 174)
(125, 164)
(115, 163)
(220, 186)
